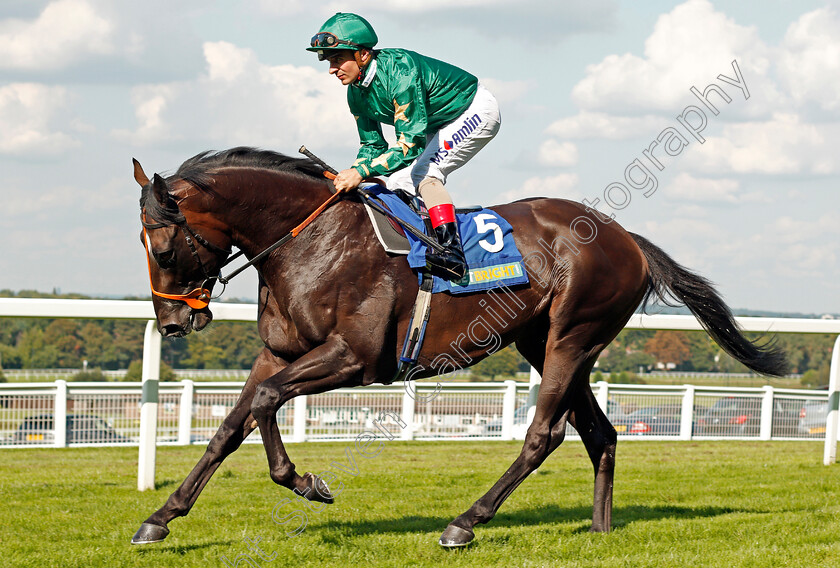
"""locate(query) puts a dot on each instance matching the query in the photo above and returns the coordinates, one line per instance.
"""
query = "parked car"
(615, 412)
(652, 420)
(520, 421)
(741, 416)
(40, 429)
(812, 418)
(520, 424)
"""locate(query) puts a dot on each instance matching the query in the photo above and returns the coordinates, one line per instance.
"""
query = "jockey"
(442, 116)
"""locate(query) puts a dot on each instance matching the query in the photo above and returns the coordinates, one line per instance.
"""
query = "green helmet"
(343, 31)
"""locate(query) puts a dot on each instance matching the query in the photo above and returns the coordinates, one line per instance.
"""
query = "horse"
(333, 308)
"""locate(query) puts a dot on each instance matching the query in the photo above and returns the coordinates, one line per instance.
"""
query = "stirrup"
(416, 330)
(448, 267)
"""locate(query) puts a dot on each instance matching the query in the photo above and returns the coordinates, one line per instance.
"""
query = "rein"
(199, 298)
(289, 236)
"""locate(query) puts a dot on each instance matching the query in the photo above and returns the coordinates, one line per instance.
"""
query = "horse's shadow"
(166, 483)
(183, 549)
(622, 516)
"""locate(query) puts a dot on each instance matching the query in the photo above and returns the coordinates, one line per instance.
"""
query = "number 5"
(481, 226)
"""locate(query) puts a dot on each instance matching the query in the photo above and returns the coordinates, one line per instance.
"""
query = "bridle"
(199, 298)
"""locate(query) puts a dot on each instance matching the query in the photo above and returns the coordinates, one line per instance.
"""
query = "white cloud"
(588, 124)
(689, 188)
(286, 8)
(688, 240)
(788, 230)
(782, 145)
(678, 229)
(792, 253)
(150, 102)
(225, 61)
(243, 101)
(804, 249)
(507, 92)
(530, 22)
(26, 116)
(21, 206)
(64, 32)
(562, 185)
(689, 46)
(45, 200)
(809, 64)
(411, 6)
(557, 154)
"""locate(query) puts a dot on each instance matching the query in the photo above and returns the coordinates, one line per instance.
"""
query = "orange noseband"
(198, 299)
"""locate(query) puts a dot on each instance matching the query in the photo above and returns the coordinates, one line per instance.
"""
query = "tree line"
(43, 343)
(640, 351)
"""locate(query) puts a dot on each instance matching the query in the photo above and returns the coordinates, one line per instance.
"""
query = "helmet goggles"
(327, 40)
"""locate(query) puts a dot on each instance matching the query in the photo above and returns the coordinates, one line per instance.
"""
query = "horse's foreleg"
(327, 367)
(230, 435)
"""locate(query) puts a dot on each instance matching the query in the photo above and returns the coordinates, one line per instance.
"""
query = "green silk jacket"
(415, 93)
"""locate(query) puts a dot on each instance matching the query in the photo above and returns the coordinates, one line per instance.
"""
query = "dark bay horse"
(334, 309)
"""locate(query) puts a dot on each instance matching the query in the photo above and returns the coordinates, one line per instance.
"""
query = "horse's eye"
(165, 259)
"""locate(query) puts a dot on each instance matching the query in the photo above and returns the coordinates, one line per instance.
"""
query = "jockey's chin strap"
(367, 68)
(199, 298)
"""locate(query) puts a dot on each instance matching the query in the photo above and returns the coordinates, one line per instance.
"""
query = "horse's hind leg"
(546, 433)
(233, 431)
(599, 438)
(596, 432)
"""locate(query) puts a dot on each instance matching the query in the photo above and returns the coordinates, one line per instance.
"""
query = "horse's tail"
(668, 278)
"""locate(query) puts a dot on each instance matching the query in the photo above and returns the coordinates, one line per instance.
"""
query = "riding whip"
(370, 200)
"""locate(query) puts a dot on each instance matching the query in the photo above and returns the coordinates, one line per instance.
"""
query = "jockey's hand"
(347, 180)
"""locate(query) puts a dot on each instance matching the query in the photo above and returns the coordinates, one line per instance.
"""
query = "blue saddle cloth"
(492, 257)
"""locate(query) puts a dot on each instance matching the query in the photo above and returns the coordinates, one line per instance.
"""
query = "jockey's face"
(344, 66)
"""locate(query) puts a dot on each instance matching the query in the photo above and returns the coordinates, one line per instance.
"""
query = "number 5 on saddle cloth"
(493, 260)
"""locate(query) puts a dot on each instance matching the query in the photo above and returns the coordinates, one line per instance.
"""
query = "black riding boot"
(451, 264)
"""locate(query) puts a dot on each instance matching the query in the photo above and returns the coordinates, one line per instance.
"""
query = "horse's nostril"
(173, 330)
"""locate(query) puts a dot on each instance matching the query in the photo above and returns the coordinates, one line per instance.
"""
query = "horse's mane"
(198, 171)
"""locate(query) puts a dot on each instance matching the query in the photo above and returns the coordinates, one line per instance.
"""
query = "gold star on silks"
(404, 144)
(399, 111)
(361, 162)
(382, 160)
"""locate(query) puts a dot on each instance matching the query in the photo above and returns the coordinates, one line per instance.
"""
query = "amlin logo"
(459, 136)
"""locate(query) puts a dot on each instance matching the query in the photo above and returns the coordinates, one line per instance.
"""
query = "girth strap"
(416, 329)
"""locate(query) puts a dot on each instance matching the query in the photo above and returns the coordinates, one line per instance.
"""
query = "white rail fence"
(98, 414)
(468, 411)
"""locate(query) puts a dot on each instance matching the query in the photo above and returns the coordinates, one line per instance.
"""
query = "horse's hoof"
(318, 490)
(453, 537)
(149, 533)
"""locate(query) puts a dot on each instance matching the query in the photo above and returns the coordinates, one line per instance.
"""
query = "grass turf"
(726, 504)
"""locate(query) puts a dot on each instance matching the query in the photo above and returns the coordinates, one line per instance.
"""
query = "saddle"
(391, 235)
(492, 257)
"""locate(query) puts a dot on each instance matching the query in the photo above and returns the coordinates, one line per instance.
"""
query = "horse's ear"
(160, 189)
(139, 175)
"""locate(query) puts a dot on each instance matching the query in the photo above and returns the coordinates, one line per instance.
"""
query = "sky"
(600, 100)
